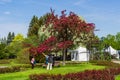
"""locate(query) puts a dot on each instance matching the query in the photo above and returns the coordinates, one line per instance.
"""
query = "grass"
(117, 77)
(24, 75)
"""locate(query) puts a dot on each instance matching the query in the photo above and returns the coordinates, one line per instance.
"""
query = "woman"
(32, 62)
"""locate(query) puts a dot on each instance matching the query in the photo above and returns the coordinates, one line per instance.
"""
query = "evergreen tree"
(36, 24)
(33, 27)
(42, 19)
(10, 37)
(4, 40)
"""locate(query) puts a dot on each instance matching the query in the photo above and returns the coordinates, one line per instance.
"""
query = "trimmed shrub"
(9, 69)
(23, 56)
(106, 63)
(106, 74)
(5, 61)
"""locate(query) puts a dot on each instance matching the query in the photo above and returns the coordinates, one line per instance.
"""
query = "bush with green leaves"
(102, 56)
(9, 69)
(23, 56)
(105, 63)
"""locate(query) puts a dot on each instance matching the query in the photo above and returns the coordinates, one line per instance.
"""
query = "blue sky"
(15, 15)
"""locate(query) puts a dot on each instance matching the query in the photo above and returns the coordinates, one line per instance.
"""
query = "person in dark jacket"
(50, 62)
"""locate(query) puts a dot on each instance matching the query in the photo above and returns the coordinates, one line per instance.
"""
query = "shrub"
(106, 63)
(9, 69)
(106, 74)
(23, 56)
(5, 61)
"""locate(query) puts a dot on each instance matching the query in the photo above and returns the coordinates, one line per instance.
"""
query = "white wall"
(80, 55)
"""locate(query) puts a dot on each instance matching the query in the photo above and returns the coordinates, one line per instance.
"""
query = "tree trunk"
(64, 56)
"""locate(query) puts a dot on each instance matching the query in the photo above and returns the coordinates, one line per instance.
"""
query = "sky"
(15, 15)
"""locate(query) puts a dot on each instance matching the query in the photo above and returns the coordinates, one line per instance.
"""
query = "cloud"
(7, 12)
(5, 1)
(81, 2)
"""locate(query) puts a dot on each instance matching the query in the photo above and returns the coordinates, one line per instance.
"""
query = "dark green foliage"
(33, 27)
(111, 40)
(35, 24)
(9, 69)
(5, 51)
(9, 50)
(23, 56)
(3, 54)
(42, 19)
(5, 61)
(10, 37)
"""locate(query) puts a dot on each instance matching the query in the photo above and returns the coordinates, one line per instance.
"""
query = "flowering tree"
(68, 29)
(47, 45)
(65, 30)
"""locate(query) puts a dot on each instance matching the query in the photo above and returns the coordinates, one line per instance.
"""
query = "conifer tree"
(33, 27)
(9, 38)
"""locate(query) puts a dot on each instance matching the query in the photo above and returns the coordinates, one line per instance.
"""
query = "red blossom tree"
(47, 45)
(64, 30)
(68, 28)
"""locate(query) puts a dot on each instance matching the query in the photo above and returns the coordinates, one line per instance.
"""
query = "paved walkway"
(3, 66)
(116, 61)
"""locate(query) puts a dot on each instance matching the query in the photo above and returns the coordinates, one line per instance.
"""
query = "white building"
(80, 54)
(112, 51)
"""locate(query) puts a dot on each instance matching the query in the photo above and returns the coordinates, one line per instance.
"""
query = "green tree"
(33, 27)
(15, 46)
(10, 37)
(109, 40)
(3, 54)
(117, 41)
(23, 56)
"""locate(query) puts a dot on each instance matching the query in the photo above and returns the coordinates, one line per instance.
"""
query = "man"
(50, 62)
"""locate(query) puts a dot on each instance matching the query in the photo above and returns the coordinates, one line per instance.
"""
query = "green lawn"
(24, 75)
(117, 77)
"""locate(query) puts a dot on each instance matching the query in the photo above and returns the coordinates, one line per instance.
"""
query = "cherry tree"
(65, 31)
(69, 30)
